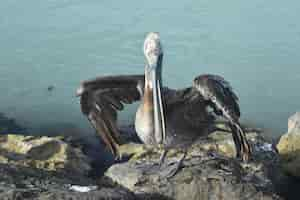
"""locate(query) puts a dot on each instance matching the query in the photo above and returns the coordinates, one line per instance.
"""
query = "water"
(253, 44)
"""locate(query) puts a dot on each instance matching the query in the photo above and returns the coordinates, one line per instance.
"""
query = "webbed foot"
(172, 168)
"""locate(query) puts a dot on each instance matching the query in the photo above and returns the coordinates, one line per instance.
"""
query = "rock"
(34, 167)
(222, 142)
(18, 182)
(10, 125)
(209, 171)
(47, 168)
(48, 153)
(289, 147)
(294, 122)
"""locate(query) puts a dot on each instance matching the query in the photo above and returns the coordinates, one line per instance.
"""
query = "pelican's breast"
(144, 118)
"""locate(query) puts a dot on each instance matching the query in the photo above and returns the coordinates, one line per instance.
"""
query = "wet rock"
(9, 125)
(209, 171)
(289, 147)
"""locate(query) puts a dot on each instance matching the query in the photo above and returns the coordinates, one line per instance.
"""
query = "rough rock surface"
(289, 147)
(44, 168)
(33, 167)
(18, 183)
(48, 153)
(209, 171)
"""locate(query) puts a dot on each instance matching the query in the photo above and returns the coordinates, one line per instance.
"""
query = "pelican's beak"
(154, 56)
(159, 115)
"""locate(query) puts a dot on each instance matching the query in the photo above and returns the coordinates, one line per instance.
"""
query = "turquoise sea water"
(253, 44)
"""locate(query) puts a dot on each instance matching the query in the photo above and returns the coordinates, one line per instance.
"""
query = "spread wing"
(219, 94)
(102, 97)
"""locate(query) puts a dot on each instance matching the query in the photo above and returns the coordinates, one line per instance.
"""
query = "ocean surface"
(57, 43)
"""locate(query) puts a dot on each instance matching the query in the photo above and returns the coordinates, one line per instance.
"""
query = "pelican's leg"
(163, 157)
(154, 166)
(173, 169)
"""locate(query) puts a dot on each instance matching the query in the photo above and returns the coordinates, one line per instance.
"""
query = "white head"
(153, 50)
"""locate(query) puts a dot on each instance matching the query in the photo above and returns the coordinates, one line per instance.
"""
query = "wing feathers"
(220, 95)
(102, 97)
(214, 88)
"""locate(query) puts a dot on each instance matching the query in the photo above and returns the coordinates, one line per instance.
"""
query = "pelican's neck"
(149, 77)
(148, 90)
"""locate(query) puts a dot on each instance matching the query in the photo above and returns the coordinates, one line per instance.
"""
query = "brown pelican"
(165, 116)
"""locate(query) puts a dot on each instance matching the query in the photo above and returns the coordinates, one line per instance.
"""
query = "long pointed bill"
(159, 115)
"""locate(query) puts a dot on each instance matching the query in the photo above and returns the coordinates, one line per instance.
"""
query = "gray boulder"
(209, 171)
(289, 147)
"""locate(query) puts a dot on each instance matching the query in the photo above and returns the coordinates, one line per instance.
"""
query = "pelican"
(167, 117)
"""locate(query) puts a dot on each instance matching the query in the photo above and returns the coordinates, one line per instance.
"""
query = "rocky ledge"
(209, 171)
(33, 167)
(45, 168)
